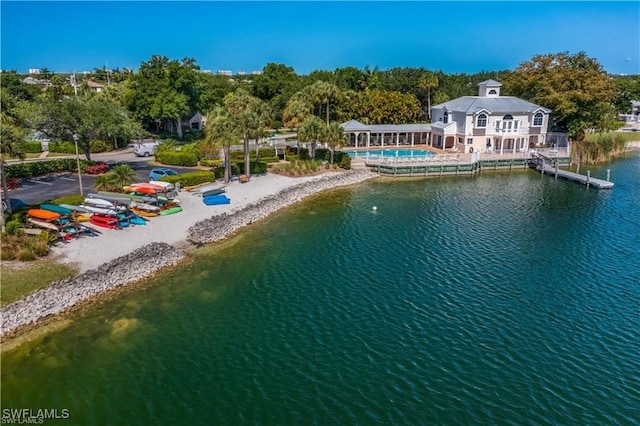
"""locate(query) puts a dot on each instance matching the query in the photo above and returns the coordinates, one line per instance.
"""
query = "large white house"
(484, 123)
(488, 122)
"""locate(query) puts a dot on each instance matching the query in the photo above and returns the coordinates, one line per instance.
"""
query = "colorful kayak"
(145, 213)
(137, 220)
(166, 185)
(171, 210)
(79, 209)
(98, 202)
(214, 200)
(62, 211)
(125, 201)
(43, 224)
(105, 221)
(43, 214)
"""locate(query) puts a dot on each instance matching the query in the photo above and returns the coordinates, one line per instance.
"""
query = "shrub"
(187, 159)
(254, 168)
(211, 163)
(32, 147)
(62, 147)
(13, 226)
(191, 178)
(13, 183)
(100, 146)
(97, 169)
(26, 255)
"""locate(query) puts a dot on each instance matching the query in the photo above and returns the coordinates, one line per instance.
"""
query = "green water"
(509, 298)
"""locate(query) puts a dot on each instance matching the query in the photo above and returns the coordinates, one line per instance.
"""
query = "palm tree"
(427, 82)
(122, 175)
(298, 108)
(323, 93)
(335, 137)
(221, 131)
(311, 130)
(249, 114)
(12, 137)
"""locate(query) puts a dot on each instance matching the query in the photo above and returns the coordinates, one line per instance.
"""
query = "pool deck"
(446, 162)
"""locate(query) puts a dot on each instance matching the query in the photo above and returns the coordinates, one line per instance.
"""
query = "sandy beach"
(91, 252)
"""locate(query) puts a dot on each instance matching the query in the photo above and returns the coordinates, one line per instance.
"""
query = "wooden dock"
(585, 180)
(547, 165)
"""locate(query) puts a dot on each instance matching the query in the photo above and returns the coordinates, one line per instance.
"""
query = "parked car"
(157, 173)
(145, 149)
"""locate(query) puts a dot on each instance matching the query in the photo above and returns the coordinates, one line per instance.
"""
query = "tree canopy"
(575, 87)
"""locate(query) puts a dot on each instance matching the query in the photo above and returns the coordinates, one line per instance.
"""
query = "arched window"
(508, 117)
(482, 120)
(493, 92)
(537, 119)
(445, 118)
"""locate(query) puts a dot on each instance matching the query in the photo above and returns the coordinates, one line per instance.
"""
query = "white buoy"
(375, 208)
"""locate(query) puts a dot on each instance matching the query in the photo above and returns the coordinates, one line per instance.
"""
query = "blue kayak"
(214, 200)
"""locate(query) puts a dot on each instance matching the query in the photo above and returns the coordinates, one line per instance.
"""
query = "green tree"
(575, 87)
(334, 137)
(427, 82)
(12, 138)
(221, 132)
(323, 94)
(164, 90)
(311, 131)
(249, 115)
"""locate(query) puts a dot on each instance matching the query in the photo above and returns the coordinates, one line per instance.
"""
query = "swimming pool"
(393, 153)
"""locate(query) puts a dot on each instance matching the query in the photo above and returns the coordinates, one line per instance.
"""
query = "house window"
(493, 92)
(488, 142)
(445, 119)
(469, 141)
(508, 117)
(482, 120)
(460, 140)
(537, 119)
(515, 125)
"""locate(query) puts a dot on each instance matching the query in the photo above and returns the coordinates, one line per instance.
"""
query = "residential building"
(488, 122)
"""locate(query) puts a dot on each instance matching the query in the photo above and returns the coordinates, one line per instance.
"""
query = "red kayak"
(104, 221)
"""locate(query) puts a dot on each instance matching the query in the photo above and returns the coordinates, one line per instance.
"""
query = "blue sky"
(452, 36)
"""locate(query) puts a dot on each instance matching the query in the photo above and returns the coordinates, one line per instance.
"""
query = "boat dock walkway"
(547, 165)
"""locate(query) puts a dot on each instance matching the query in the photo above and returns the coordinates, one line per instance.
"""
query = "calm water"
(509, 298)
(393, 153)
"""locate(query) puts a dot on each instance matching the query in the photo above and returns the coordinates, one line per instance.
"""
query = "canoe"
(137, 220)
(211, 192)
(111, 222)
(215, 200)
(62, 211)
(146, 207)
(125, 201)
(208, 187)
(142, 190)
(79, 209)
(43, 214)
(82, 217)
(145, 213)
(98, 202)
(42, 224)
(140, 198)
(102, 210)
(166, 185)
(148, 185)
(171, 210)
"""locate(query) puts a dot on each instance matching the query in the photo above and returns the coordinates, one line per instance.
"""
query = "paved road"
(34, 191)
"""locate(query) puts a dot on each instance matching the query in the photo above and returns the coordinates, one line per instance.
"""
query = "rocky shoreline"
(63, 295)
(222, 226)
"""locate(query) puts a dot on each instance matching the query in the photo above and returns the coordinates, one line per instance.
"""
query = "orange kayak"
(148, 185)
(43, 214)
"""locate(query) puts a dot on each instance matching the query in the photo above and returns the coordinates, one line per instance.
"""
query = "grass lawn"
(18, 282)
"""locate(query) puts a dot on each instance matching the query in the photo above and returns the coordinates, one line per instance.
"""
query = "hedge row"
(40, 168)
(191, 178)
(177, 158)
(262, 152)
(70, 147)
(341, 159)
(32, 147)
